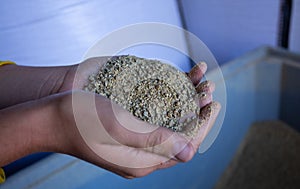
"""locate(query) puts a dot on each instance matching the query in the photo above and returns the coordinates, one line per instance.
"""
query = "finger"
(208, 116)
(128, 131)
(141, 172)
(173, 146)
(206, 86)
(163, 165)
(205, 90)
(167, 164)
(205, 99)
(197, 73)
(130, 170)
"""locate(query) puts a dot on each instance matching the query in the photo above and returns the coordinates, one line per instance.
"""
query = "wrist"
(62, 134)
(20, 83)
(26, 128)
(45, 125)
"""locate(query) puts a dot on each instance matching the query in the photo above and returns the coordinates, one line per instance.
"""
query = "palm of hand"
(133, 145)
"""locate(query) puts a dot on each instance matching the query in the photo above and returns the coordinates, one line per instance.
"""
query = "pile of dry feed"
(150, 90)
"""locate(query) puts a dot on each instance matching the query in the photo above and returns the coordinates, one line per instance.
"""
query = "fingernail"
(182, 151)
(212, 86)
(197, 72)
(202, 66)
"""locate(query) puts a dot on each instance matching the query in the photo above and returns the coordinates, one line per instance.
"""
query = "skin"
(36, 115)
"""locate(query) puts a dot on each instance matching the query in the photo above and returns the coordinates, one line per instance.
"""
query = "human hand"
(47, 123)
(109, 137)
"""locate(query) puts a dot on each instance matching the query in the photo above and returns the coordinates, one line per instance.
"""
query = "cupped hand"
(101, 132)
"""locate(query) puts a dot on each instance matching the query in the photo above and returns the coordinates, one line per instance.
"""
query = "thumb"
(129, 131)
(173, 145)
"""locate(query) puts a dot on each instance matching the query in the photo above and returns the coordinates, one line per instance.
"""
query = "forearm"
(27, 128)
(20, 83)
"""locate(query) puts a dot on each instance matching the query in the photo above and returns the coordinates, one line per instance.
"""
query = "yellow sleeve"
(2, 175)
(2, 63)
